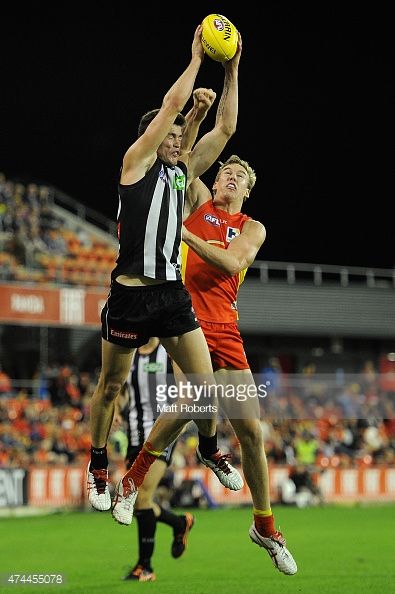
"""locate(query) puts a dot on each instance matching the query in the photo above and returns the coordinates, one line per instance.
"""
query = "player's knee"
(250, 435)
(111, 390)
(206, 426)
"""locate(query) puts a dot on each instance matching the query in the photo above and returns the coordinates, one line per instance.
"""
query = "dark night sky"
(315, 115)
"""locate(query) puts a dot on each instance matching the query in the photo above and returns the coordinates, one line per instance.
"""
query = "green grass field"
(338, 550)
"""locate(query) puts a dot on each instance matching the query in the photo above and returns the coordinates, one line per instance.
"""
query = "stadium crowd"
(38, 245)
(313, 423)
(309, 425)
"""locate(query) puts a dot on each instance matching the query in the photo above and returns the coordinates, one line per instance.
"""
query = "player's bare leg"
(191, 354)
(247, 427)
(192, 361)
(244, 417)
(116, 362)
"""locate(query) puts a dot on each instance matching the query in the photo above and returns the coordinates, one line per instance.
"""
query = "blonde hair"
(235, 159)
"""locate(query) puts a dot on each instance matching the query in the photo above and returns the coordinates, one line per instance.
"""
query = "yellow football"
(219, 37)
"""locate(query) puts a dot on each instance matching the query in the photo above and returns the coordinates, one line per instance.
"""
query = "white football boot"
(97, 488)
(275, 546)
(124, 500)
(227, 475)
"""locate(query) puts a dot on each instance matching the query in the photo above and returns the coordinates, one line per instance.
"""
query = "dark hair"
(149, 116)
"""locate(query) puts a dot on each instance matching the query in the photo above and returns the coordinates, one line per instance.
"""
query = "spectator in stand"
(387, 374)
(55, 242)
(306, 449)
(272, 374)
(16, 246)
(48, 220)
(300, 489)
(37, 245)
(83, 237)
(369, 378)
(32, 197)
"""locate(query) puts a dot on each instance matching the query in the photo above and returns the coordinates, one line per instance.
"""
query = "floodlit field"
(338, 550)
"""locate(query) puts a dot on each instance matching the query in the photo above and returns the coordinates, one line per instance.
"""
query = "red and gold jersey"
(214, 293)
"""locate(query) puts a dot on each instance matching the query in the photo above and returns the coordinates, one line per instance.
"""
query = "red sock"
(141, 465)
(265, 525)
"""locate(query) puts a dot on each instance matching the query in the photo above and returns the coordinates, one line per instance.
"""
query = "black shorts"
(133, 452)
(131, 315)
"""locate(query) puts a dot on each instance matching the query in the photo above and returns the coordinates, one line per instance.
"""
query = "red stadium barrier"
(65, 486)
(358, 484)
(47, 306)
(56, 486)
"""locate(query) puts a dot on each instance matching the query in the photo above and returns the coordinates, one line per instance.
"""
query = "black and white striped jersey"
(149, 223)
(148, 371)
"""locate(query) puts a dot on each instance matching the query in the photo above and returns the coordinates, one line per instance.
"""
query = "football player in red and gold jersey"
(219, 244)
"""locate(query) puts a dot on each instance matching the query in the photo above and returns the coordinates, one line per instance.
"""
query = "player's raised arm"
(211, 145)
(203, 100)
(142, 153)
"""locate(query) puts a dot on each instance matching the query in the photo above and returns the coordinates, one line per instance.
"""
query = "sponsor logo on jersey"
(120, 334)
(153, 367)
(233, 305)
(179, 182)
(209, 218)
(231, 233)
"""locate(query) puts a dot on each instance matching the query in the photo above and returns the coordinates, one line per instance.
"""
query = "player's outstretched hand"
(234, 62)
(197, 47)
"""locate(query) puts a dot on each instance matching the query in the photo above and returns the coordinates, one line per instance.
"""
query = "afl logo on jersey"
(211, 219)
(162, 174)
(231, 233)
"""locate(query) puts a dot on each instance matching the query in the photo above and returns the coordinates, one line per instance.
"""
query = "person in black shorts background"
(136, 406)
